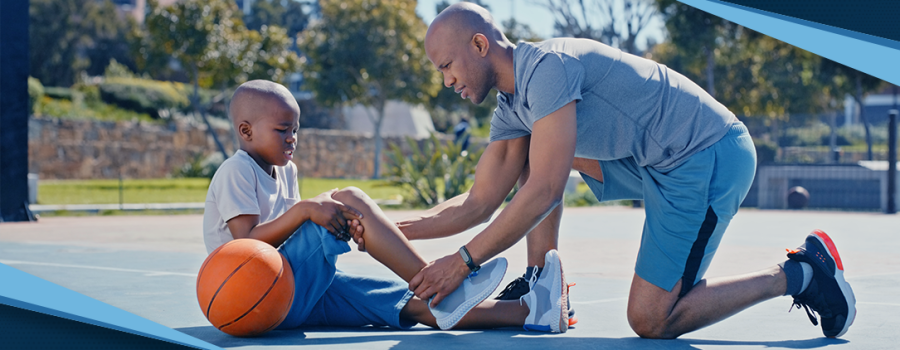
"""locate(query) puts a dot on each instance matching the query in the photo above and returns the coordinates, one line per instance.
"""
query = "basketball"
(245, 287)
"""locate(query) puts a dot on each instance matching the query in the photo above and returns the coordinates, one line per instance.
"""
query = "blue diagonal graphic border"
(870, 54)
(25, 291)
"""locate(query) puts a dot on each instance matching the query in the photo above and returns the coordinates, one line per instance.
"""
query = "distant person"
(635, 129)
(254, 194)
(462, 134)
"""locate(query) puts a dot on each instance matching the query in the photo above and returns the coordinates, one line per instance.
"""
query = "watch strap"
(467, 258)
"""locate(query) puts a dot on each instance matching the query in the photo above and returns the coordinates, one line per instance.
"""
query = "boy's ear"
(245, 131)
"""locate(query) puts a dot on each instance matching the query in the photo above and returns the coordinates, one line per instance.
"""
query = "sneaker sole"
(445, 323)
(839, 278)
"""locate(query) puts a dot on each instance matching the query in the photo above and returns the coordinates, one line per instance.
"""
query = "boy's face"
(273, 136)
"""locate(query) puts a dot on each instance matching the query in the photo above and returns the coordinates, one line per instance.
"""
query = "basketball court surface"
(147, 265)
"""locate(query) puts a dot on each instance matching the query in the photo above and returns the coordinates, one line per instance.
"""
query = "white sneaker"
(547, 299)
(472, 292)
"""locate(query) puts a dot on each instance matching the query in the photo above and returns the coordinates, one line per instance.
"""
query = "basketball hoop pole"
(892, 159)
(14, 111)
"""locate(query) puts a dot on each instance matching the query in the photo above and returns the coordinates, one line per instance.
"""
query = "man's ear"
(481, 44)
(245, 131)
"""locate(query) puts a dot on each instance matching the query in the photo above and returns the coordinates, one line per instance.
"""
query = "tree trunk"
(832, 143)
(862, 115)
(377, 161)
(195, 101)
(710, 66)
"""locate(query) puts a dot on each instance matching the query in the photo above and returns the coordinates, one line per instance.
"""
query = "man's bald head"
(459, 22)
(256, 98)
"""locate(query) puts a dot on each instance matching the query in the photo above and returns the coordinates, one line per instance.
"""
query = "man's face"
(465, 69)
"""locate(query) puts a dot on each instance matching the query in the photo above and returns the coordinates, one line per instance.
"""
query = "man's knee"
(650, 309)
(648, 325)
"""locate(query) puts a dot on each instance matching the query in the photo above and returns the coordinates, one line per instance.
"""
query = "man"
(635, 130)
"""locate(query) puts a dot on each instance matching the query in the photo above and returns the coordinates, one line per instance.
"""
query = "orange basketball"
(245, 287)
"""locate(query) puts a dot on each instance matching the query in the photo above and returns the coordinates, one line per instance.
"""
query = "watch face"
(465, 255)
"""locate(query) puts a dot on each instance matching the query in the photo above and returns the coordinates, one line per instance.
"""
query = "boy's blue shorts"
(325, 296)
(687, 207)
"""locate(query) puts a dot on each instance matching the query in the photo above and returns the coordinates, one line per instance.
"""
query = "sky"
(529, 12)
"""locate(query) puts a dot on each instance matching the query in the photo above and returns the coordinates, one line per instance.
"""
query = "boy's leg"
(312, 252)
(488, 314)
(384, 241)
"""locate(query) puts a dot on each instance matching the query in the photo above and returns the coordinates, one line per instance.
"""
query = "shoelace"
(531, 281)
(512, 287)
(809, 313)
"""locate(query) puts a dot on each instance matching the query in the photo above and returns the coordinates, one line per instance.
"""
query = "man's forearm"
(451, 217)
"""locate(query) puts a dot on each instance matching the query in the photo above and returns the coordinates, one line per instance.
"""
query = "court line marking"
(145, 272)
(877, 303)
(600, 301)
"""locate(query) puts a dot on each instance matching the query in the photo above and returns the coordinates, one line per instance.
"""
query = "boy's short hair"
(250, 94)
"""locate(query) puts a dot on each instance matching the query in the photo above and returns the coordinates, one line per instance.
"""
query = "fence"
(820, 167)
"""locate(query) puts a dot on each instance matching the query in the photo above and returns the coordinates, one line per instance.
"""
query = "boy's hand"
(334, 216)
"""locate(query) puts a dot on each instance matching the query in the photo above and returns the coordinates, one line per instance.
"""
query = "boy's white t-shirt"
(242, 187)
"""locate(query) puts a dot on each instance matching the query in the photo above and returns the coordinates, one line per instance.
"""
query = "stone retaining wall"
(90, 149)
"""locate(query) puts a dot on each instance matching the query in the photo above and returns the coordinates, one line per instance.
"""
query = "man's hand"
(356, 232)
(439, 278)
(333, 215)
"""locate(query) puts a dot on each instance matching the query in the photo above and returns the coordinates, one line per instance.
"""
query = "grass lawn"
(180, 190)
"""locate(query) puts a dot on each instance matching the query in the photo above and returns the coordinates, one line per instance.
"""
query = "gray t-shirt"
(242, 187)
(627, 106)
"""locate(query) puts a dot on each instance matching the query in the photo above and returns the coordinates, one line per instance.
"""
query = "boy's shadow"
(420, 337)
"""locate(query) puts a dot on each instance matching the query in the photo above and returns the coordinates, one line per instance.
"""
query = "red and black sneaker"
(828, 294)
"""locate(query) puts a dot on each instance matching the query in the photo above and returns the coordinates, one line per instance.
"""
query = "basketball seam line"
(213, 299)
(277, 323)
(263, 297)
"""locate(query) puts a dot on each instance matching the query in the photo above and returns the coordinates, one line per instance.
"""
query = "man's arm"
(496, 174)
(550, 156)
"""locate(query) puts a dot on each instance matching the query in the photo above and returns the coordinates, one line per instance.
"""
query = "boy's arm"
(322, 210)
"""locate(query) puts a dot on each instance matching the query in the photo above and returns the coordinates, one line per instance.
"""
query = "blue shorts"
(325, 296)
(687, 207)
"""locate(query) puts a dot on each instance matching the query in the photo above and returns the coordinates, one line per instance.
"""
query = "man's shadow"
(420, 337)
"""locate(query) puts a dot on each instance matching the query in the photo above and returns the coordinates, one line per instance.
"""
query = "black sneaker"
(828, 294)
(519, 287)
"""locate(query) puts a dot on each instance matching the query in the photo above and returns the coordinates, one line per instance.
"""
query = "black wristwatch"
(467, 258)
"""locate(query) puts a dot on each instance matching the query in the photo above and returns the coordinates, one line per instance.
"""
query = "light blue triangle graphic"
(25, 291)
(872, 56)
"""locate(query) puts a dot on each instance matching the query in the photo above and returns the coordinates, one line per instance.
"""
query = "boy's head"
(266, 117)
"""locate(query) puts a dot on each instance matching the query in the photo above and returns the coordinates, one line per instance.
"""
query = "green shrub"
(144, 95)
(100, 111)
(117, 70)
(580, 199)
(59, 93)
(35, 94)
(765, 151)
(200, 166)
(432, 173)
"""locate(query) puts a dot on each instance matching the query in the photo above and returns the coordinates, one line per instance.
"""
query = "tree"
(209, 40)
(848, 81)
(693, 34)
(368, 52)
(71, 36)
(614, 25)
(287, 14)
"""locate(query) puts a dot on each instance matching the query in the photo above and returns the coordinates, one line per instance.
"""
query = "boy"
(255, 195)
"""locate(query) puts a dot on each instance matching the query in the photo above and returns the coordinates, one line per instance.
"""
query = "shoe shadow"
(420, 337)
